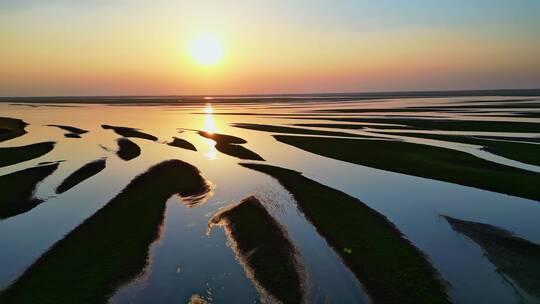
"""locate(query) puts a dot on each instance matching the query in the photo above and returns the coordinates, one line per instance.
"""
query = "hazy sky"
(99, 47)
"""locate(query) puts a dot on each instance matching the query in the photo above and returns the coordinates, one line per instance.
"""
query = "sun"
(207, 49)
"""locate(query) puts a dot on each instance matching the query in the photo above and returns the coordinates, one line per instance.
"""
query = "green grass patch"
(231, 145)
(424, 161)
(264, 250)
(387, 264)
(14, 155)
(81, 174)
(11, 128)
(129, 132)
(523, 152)
(513, 256)
(109, 248)
(17, 189)
(127, 150)
(182, 143)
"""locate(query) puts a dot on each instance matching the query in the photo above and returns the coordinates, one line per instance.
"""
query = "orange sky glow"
(138, 48)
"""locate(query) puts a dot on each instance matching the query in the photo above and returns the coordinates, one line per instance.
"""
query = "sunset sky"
(99, 47)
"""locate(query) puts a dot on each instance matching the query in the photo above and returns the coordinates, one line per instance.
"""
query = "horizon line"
(405, 93)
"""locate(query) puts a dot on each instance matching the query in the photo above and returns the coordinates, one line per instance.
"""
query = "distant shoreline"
(172, 99)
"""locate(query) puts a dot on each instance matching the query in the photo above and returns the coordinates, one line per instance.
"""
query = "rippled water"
(185, 260)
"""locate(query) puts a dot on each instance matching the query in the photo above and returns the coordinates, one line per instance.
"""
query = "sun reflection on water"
(210, 127)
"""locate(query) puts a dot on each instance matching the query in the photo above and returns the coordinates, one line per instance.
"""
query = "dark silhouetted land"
(222, 138)
(231, 145)
(127, 150)
(387, 264)
(264, 249)
(292, 130)
(109, 248)
(424, 161)
(11, 128)
(130, 132)
(81, 174)
(513, 256)
(73, 131)
(447, 125)
(523, 152)
(17, 189)
(182, 143)
(14, 155)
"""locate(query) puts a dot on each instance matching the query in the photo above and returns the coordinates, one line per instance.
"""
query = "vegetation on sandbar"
(222, 138)
(11, 128)
(292, 130)
(263, 248)
(512, 138)
(127, 150)
(109, 248)
(73, 131)
(17, 189)
(513, 256)
(424, 161)
(352, 126)
(231, 145)
(523, 152)
(14, 155)
(129, 132)
(81, 174)
(448, 125)
(182, 143)
(387, 264)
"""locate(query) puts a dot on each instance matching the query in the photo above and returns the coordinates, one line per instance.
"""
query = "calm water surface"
(187, 259)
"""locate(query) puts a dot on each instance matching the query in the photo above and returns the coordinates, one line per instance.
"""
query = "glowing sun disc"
(206, 49)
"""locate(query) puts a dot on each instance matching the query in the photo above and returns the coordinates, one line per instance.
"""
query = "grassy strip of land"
(352, 126)
(81, 174)
(264, 250)
(380, 110)
(523, 152)
(387, 264)
(11, 128)
(222, 138)
(70, 129)
(513, 256)
(231, 145)
(129, 132)
(72, 135)
(14, 155)
(17, 189)
(238, 151)
(292, 130)
(448, 125)
(110, 247)
(424, 161)
(510, 105)
(510, 138)
(182, 143)
(127, 150)
(517, 104)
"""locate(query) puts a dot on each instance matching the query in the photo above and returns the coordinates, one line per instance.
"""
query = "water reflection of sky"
(186, 261)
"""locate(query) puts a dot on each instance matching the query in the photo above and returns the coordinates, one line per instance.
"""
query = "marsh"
(365, 200)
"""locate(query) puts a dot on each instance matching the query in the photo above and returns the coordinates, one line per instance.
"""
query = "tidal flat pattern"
(395, 199)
